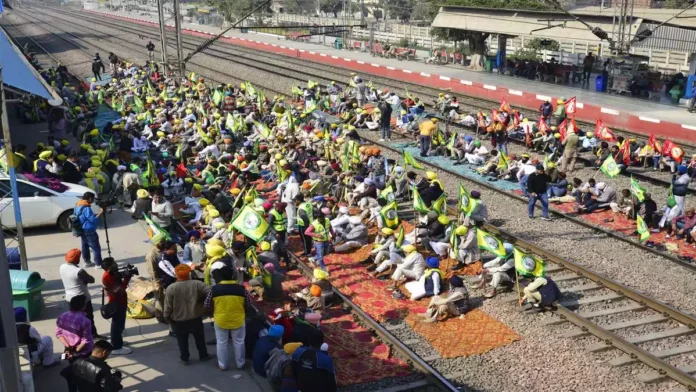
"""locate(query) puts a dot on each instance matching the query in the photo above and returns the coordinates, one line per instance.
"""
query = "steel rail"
(431, 373)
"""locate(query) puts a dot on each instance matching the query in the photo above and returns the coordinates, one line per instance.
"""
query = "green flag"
(158, 234)
(217, 97)
(418, 203)
(642, 229)
(388, 194)
(440, 205)
(138, 103)
(250, 223)
(400, 236)
(503, 163)
(465, 203)
(263, 129)
(610, 168)
(529, 265)
(390, 215)
(487, 241)
(408, 160)
(250, 89)
(637, 190)
(100, 97)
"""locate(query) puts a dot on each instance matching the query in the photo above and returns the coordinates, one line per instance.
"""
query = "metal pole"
(13, 177)
(9, 354)
(163, 35)
(181, 66)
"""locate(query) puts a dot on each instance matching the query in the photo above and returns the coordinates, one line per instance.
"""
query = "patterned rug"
(617, 222)
(477, 333)
(358, 356)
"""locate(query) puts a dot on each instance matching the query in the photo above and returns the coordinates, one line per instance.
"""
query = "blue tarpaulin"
(17, 72)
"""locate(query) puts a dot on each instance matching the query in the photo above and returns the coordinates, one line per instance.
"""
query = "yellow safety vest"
(228, 304)
(430, 271)
(438, 183)
(307, 207)
(321, 230)
(279, 222)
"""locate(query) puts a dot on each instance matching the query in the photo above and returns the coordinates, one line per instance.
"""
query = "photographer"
(89, 221)
(115, 281)
(93, 374)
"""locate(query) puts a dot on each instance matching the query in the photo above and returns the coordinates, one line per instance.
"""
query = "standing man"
(427, 128)
(305, 216)
(279, 222)
(229, 301)
(97, 67)
(113, 62)
(89, 222)
(385, 120)
(93, 374)
(183, 308)
(162, 211)
(587, 64)
(321, 231)
(115, 283)
(537, 185)
(150, 50)
(75, 281)
(570, 151)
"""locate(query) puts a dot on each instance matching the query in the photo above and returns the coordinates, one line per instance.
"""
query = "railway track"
(596, 315)
(304, 70)
(213, 74)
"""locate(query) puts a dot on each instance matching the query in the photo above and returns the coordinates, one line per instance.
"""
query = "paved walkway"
(615, 111)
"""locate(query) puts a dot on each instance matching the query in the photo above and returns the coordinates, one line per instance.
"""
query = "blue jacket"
(262, 352)
(89, 221)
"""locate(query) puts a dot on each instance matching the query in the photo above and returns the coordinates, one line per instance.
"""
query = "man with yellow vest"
(305, 216)
(321, 231)
(278, 221)
(229, 301)
(428, 129)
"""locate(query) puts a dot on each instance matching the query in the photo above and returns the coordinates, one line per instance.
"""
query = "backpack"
(275, 364)
(75, 223)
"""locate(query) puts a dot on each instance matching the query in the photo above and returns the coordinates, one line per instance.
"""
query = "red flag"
(570, 106)
(515, 118)
(481, 120)
(602, 132)
(542, 126)
(625, 152)
(563, 129)
(494, 115)
(674, 151)
(504, 106)
(654, 143)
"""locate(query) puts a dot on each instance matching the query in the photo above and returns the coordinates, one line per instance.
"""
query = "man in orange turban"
(75, 281)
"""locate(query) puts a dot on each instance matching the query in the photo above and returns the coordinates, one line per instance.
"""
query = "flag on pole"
(217, 97)
(440, 205)
(263, 129)
(527, 264)
(610, 168)
(100, 97)
(674, 151)
(542, 126)
(603, 133)
(625, 151)
(418, 203)
(487, 241)
(503, 163)
(655, 144)
(400, 236)
(465, 203)
(388, 194)
(138, 103)
(152, 173)
(504, 106)
(158, 233)
(642, 229)
(637, 190)
(409, 160)
(390, 215)
(563, 129)
(250, 223)
(571, 106)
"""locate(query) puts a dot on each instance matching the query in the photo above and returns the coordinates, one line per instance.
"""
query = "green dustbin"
(26, 292)
(488, 64)
(338, 44)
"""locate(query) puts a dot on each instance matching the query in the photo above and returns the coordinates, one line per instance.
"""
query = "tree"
(543, 44)
(477, 40)
(331, 6)
(234, 10)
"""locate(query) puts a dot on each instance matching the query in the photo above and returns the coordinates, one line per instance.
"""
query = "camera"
(127, 271)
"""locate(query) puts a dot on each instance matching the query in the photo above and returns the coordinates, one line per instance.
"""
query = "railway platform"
(641, 116)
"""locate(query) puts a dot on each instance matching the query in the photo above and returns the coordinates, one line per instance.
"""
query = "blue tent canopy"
(17, 72)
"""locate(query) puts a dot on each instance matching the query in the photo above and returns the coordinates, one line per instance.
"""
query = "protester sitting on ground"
(683, 225)
(268, 284)
(623, 203)
(40, 347)
(455, 304)
(603, 200)
(313, 367)
(429, 284)
(263, 348)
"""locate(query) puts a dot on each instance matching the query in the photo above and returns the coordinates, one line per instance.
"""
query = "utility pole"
(163, 35)
(9, 353)
(7, 139)
(181, 65)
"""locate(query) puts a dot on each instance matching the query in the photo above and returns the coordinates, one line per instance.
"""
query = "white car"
(39, 205)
